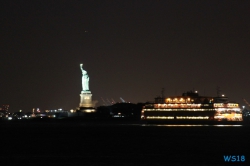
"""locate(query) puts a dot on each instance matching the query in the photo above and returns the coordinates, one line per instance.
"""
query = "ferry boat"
(191, 107)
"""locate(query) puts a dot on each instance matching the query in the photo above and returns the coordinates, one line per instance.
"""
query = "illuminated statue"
(85, 80)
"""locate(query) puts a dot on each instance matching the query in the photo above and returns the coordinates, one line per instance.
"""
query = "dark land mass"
(89, 143)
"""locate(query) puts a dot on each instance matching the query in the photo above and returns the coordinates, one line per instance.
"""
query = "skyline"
(130, 49)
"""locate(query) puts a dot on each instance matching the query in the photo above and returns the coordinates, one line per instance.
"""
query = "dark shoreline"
(93, 121)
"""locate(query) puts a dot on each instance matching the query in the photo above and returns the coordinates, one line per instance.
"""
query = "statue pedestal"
(86, 104)
(85, 99)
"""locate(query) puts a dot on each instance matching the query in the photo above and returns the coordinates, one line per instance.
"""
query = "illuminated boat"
(191, 107)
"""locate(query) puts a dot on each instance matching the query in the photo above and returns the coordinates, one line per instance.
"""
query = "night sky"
(130, 49)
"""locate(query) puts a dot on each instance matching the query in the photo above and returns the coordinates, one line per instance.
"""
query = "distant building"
(4, 110)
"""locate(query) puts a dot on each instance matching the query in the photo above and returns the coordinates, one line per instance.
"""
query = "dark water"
(121, 144)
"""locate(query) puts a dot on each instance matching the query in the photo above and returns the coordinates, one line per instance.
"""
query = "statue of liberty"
(85, 79)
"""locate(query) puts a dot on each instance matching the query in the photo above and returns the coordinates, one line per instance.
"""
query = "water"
(122, 144)
(190, 125)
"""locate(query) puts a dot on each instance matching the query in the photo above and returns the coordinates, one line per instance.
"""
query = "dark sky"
(130, 49)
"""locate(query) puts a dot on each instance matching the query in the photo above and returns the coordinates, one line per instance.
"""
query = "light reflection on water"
(188, 125)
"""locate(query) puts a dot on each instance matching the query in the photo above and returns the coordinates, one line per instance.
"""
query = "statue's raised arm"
(84, 72)
(81, 67)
